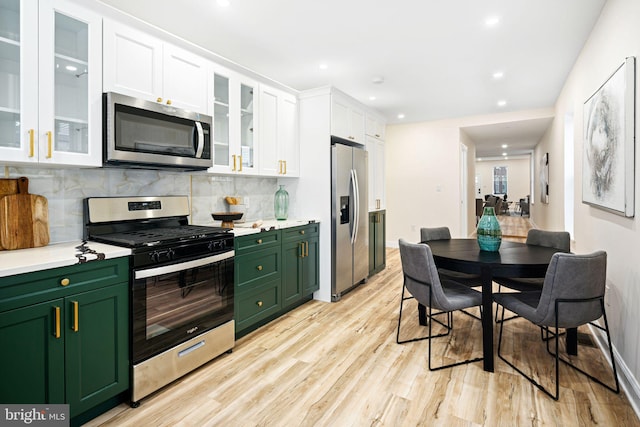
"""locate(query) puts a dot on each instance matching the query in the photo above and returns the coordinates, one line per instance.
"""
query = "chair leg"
(502, 318)
(464, 362)
(448, 325)
(613, 362)
(531, 380)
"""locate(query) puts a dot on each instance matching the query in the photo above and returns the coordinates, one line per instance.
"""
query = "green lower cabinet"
(73, 349)
(32, 356)
(275, 272)
(97, 362)
(377, 237)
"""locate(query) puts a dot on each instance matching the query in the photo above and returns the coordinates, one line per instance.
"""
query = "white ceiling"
(436, 57)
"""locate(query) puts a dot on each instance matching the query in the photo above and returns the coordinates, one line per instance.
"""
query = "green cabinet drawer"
(257, 304)
(256, 268)
(257, 241)
(300, 233)
(31, 288)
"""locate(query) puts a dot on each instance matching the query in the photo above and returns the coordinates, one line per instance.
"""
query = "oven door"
(173, 303)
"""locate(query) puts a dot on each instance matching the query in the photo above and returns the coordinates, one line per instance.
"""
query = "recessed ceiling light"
(223, 3)
(372, 98)
(504, 145)
(492, 21)
(401, 116)
(498, 75)
(506, 158)
(323, 66)
(71, 68)
(504, 154)
(502, 103)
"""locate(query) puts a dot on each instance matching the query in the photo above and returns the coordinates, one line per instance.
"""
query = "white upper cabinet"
(139, 65)
(279, 148)
(347, 119)
(233, 104)
(51, 61)
(374, 126)
(375, 148)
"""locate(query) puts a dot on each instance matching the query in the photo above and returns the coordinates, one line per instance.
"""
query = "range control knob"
(155, 256)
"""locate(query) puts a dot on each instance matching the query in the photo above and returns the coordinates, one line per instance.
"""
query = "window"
(500, 180)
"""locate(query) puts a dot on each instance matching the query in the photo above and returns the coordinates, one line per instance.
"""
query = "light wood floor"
(337, 364)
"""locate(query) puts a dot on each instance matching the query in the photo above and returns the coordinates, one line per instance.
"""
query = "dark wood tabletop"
(514, 259)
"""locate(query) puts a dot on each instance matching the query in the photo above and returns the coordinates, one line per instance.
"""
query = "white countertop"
(51, 256)
(244, 228)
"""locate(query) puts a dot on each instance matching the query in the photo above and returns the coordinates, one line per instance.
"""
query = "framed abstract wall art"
(608, 165)
(544, 178)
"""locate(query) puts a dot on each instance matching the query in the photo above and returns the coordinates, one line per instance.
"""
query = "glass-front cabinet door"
(247, 154)
(50, 83)
(221, 140)
(233, 106)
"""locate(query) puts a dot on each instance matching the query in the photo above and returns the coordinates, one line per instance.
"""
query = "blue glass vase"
(489, 232)
(281, 203)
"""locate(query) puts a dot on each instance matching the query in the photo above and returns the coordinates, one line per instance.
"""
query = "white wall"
(423, 173)
(518, 177)
(615, 36)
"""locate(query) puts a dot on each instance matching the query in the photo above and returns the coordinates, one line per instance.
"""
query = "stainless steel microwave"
(141, 133)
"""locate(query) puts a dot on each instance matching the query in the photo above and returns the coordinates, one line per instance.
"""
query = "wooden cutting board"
(7, 186)
(24, 219)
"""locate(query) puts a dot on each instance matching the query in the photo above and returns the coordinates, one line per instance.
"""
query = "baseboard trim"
(628, 382)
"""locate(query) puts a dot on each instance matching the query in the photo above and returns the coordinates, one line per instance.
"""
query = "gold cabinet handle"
(301, 231)
(259, 268)
(259, 241)
(240, 169)
(76, 320)
(377, 203)
(32, 142)
(57, 326)
(301, 246)
(306, 252)
(65, 282)
(234, 163)
(159, 99)
(49, 138)
(285, 167)
(168, 102)
(280, 167)
(259, 303)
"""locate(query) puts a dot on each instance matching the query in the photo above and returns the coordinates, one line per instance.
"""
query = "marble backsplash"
(65, 190)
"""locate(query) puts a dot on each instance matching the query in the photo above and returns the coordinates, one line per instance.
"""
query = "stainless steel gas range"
(181, 282)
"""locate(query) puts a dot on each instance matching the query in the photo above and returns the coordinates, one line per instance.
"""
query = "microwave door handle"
(200, 147)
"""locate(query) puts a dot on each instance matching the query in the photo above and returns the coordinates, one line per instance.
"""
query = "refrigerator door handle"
(356, 209)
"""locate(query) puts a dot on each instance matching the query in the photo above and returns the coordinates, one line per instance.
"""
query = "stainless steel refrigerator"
(349, 226)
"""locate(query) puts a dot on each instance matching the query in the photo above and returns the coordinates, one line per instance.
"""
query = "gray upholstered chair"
(572, 295)
(421, 280)
(472, 280)
(560, 240)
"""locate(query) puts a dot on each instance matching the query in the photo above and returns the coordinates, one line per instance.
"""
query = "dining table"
(513, 259)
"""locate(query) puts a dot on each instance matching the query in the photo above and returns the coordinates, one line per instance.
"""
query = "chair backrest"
(573, 277)
(524, 206)
(498, 207)
(435, 233)
(479, 207)
(420, 273)
(549, 239)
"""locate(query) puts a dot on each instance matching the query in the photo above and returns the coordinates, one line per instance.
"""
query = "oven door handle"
(157, 271)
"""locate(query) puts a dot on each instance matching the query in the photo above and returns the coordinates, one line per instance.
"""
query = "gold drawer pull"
(259, 241)
(49, 136)
(168, 102)
(306, 244)
(259, 303)
(259, 268)
(159, 99)
(301, 231)
(57, 332)
(31, 142)
(65, 281)
(76, 306)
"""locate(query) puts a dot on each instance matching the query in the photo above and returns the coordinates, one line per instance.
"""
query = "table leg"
(572, 341)
(487, 318)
